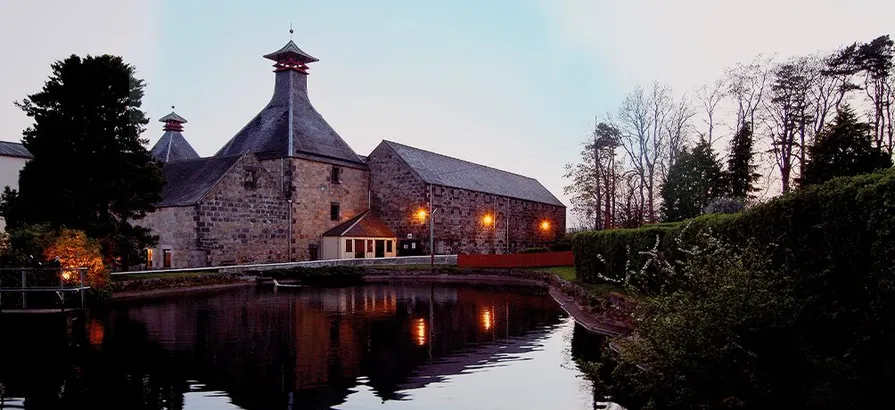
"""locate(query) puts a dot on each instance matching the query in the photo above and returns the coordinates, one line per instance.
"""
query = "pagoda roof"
(290, 49)
(289, 126)
(173, 117)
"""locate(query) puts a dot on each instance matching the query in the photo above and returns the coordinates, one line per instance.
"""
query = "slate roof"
(446, 171)
(290, 49)
(14, 149)
(365, 225)
(173, 117)
(188, 181)
(289, 126)
(173, 147)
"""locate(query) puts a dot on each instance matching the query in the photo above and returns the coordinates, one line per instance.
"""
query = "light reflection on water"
(382, 346)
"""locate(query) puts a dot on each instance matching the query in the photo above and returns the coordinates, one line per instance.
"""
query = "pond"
(389, 346)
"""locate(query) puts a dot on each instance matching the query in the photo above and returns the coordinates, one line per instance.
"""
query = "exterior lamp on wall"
(545, 225)
(421, 215)
(487, 220)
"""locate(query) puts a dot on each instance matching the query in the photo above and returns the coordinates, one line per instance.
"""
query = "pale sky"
(509, 84)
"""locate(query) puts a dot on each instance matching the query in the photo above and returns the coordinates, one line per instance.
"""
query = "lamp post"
(289, 234)
(431, 230)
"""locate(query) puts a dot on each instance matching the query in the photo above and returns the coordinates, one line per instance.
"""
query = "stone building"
(475, 209)
(287, 184)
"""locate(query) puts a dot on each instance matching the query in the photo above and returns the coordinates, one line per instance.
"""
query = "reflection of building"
(13, 157)
(280, 186)
(316, 343)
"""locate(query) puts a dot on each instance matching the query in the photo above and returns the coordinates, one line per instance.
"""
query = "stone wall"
(243, 224)
(313, 193)
(176, 228)
(398, 193)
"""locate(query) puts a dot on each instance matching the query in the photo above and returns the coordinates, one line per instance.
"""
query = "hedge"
(321, 276)
(845, 227)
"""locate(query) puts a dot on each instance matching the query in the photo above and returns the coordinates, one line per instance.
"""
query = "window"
(334, 211)
(250, 179)
(348, 247)
(149, 259)
(388, 246)
(166, 258)
(335, 175)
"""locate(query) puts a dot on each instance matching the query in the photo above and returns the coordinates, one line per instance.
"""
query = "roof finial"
(290, 32)
(172, 108)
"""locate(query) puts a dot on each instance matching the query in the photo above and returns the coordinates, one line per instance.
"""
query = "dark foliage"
(322, 276)
(796, 310)
(693, 181)
(91, 171)
(534, 250)
(845, 148)
(740, 174)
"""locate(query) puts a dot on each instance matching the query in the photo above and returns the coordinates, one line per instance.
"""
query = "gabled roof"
(14, 149)
(289, 126)
(173, 147)
(365, 225)
(437, 169)
(189, 181)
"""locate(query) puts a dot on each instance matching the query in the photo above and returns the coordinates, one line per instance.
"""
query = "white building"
(13, 157)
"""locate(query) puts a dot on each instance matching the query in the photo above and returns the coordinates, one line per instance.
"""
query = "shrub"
(742, 331)
(73, 249)
(797, 311)
(724, 206)
(841, 229)
(534, 250)
(322, 276)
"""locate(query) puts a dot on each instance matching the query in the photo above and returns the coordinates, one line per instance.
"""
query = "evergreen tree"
(91, 170)
(845, 148)
(693, 181)
(741, 175)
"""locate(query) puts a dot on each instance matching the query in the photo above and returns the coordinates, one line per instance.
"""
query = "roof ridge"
(460, 159)
(359, 217)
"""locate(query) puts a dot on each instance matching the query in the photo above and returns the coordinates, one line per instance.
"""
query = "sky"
(513, 84)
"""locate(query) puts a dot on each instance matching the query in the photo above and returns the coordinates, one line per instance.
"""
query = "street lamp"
(421, 214)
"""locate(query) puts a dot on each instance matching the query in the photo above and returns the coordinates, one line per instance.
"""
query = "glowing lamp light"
(487, 220)
(421, 215)
(66, 275)
(419, 330)
(545, 225)
(487, 319)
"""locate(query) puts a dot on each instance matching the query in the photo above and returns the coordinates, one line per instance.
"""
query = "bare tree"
(709, 96)
(747, 84)
(650, 122)
(676, 128)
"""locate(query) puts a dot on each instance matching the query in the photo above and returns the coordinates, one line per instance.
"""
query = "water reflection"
(312, 348)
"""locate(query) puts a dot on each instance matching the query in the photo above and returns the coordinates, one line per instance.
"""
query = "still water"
(394, 346)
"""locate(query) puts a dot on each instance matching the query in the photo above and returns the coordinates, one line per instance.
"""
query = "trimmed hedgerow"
(322, 276)
(846, 225)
